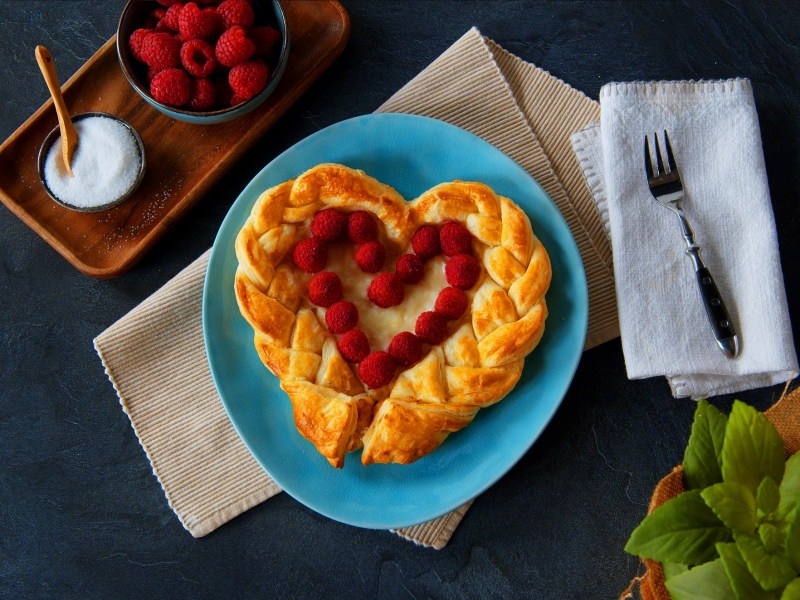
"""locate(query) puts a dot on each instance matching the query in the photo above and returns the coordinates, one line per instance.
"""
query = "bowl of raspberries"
(204, 61)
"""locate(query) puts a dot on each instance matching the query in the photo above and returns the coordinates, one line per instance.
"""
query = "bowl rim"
(279, 67)
(49, 140)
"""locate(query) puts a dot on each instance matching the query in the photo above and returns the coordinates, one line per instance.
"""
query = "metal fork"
(667, 189)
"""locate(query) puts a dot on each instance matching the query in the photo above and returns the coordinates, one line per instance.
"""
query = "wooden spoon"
(69, 137)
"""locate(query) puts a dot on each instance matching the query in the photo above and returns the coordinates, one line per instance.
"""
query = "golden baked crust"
(476, 366)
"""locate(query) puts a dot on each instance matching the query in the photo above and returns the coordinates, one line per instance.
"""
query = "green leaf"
(771, 537)
(752, 448)
(705, 582)
(734, 504)
(672, 569)
(702, 457)
(682, 530)
(793, 540)
(768, 495)
(744, 585)
(771, 571)
(790, 486)
(792, 591)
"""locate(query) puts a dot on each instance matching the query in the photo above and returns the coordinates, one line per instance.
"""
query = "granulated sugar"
(104, 166)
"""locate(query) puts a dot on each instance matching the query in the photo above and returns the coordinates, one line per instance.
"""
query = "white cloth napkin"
(713, 127)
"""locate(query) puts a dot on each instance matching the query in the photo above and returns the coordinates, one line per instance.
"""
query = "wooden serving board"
(183, 160)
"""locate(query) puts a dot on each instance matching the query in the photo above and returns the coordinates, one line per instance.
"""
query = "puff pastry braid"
(476, 366)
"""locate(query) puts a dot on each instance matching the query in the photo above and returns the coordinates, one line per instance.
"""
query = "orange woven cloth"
(785, 416)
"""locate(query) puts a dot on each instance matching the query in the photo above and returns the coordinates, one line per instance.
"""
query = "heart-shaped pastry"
(397, 360)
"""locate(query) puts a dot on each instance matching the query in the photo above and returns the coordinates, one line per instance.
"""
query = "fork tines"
(648, 163)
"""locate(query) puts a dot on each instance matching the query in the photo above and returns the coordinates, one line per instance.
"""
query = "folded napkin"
(714, 132)
(155, 356)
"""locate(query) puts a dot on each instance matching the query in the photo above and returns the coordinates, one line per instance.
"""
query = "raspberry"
(462, 271)
(170, 20)
(451, 303)
(431, 327)
(196, 23)
(236, 12)
(425, 242)
(325, 289)
(234, 47)
(377, 369)
(405, 348)
(386, 290)
(410, 268)
(341, 317)
(266, 40)
(135, 42)
(310, 255)
(455, 239)
(158, 14)
(248, 78)
(329, 224)
(161, 51)
(171, 86)
(370, 257)
(197, 57)
(361, 227)
(354, 345)
(202, 95)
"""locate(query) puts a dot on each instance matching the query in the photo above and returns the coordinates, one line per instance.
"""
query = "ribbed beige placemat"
(155, 357)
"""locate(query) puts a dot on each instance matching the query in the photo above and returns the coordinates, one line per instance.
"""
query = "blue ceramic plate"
(412, 154)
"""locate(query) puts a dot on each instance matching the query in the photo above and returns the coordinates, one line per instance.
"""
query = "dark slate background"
(82, 515)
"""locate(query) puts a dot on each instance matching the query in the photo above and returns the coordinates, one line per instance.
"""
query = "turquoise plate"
(412, 154)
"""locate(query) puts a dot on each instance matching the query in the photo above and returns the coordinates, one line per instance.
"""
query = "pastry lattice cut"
(476, 366)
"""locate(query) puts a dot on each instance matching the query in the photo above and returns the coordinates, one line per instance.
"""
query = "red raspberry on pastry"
(236, 12)
(310, 255)
(455, 239)
(451, 303)
(409, 268)
(377, 369)
(405, 348)
(341, 317)
(329, 224)
(431, 327)
(354, 345)
(361, 227)
(425, 242)
(462, 271)
(386, 290)
(370, 257)
(325, 289)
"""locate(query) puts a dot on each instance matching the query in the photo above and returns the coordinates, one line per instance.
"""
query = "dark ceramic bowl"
(50, 139)
(135, 14)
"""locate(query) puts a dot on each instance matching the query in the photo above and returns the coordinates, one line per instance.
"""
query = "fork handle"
(717, 313)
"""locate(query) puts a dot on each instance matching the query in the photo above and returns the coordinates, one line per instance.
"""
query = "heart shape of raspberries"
(389, 323)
